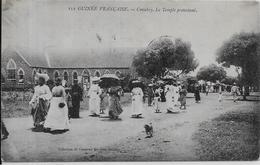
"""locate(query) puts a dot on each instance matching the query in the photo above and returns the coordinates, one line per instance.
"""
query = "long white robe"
(94, 99)
(157, 96)
(57, 117)
(137, 101)
(169, 90)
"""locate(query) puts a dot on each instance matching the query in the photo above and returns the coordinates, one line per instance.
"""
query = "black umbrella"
(108, 80)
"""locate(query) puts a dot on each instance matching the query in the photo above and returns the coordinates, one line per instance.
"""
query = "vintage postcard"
(127, 80)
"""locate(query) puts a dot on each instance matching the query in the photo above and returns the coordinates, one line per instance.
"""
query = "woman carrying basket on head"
(40, 101)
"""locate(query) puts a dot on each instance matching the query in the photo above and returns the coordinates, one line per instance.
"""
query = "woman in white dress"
(94, 99)
(169, 94)
(137, 100)
(57, 118)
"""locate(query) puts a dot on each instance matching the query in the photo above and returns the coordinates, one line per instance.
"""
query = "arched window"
(11, 67)
(75, 75)
(56, 74)
(107, 72)
(85, 73)
(20, 75)
(66, 76)
(118, 73)
(97, 73)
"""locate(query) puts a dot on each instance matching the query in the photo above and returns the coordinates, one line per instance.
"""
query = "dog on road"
(149, 130)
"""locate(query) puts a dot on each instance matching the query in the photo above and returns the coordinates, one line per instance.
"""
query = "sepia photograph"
(127, 80)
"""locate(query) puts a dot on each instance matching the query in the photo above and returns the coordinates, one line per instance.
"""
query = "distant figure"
(235, 92)
(182, 99)
(162, 95)
(102, 96)
(157, 97)
(85, 90)
(150, 94)
(94, 99)
(57, 118)
(169, 94)
(40, 101)
(179, 89)
(69, 102)
(220, 95)
(197, 93)
(76, 95)
(207, 90)
(175, 94)
(144, 92)
(137, 104)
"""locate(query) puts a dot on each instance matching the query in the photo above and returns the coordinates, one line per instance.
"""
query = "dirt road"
(96, 139)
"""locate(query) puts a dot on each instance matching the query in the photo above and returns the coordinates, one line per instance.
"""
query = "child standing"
(220, 93)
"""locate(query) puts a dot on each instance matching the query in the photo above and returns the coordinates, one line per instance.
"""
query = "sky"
(49, 24)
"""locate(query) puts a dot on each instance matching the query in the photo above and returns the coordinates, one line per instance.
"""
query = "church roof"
(32, 58)
(88, 58)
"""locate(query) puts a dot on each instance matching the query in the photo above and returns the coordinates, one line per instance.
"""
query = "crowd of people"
(173, 93)
(54, 104)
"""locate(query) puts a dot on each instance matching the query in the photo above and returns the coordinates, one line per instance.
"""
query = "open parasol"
(108, 80)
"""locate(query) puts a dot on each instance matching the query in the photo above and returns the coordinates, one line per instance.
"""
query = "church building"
(19, 65)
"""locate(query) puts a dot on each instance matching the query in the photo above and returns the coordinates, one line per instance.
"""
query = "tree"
(243, 51)
(211, 73)
(162, 55)
(229, 80)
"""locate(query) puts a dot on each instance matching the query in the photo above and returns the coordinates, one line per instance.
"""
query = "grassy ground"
(232, 136)
(15, 109)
